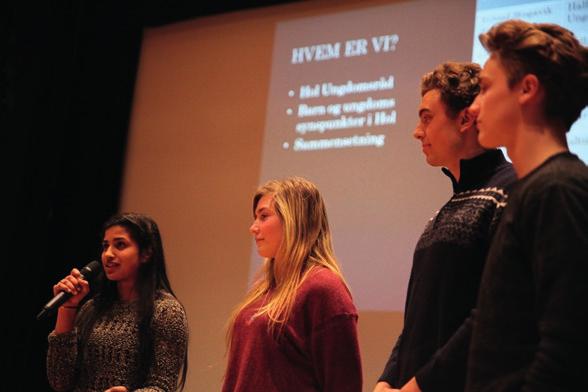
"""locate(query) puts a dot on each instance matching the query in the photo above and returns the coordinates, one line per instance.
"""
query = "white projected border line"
(366, 140)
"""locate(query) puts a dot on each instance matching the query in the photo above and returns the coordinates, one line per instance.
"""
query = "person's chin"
(431, 161)
(112, 278)
(486, 141)
(261, 252)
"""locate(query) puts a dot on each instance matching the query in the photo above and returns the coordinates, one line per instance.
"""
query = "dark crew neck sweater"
(531, 327)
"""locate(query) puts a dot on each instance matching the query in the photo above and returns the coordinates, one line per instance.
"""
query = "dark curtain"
(68, 75)
(68, 71)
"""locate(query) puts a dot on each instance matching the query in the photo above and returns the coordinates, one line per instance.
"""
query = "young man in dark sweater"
(430, 354)
(531, 327)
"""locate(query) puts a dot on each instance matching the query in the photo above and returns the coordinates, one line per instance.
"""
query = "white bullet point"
(291, 93)
(285, 146)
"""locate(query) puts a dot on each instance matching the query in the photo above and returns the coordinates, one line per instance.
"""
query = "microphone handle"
(55, 303)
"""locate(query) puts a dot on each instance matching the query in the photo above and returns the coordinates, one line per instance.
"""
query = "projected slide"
(342, 106)
(341, 109)
(570, 14)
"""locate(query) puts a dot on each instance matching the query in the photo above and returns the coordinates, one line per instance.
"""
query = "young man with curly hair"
(431, 352)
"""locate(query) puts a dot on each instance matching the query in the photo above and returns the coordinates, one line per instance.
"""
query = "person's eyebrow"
(423, 111)
(261, 209)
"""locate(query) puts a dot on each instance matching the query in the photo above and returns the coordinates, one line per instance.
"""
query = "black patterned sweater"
(110, 356)
(445, 277)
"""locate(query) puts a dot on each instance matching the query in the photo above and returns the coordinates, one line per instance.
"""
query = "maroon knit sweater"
(317, 351)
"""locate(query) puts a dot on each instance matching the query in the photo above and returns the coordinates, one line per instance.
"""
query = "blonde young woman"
(296, 329)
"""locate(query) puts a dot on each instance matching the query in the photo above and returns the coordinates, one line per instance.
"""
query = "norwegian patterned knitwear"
(468, 217)
(111, 354)
(447, 266)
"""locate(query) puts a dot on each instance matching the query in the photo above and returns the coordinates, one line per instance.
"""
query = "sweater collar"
(475, 170)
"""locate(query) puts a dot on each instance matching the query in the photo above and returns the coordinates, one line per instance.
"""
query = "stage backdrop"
(321, 89)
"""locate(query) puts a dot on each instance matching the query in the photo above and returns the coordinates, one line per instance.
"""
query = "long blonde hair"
(306, 244)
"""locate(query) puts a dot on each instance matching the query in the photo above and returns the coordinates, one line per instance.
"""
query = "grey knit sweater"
(110, 355)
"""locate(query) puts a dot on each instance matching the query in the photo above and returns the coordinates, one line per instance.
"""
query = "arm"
(559, 256)
(411, 386)
(170, 333)
(383, 386)
(386, 380)
(447, 368)
(78, 288)
(336, 356)
(62, 357)
(62, 350)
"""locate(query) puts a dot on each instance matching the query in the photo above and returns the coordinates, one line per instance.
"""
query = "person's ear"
(467, 120)
(145, 256)
(529, 88)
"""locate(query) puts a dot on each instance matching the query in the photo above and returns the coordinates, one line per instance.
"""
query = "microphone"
(88, 272)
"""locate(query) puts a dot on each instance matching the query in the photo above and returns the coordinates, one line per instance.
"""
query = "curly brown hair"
(551, 53)
(458, 84)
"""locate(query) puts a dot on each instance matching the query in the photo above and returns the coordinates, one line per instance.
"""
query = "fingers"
(74, 285)
(117, 389)
(383, 386)
(76, 273)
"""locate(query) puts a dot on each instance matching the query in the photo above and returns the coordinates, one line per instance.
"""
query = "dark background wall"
(66, 87)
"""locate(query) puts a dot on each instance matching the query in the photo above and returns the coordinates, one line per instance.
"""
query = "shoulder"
(87, 308)
(556, 192)
(503, 177)
(324, 289)
(322, 280)
(88, 305)
(564, 175)
(489, 170)
(168, 313)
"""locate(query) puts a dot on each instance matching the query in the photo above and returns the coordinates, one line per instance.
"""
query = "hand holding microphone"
(75, 285)
(70, 290)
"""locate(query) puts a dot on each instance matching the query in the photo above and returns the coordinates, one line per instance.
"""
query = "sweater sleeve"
(170, 330)
(332, 341)
(447, 368)
(62, 356)
(558, 248)
(335, 351)
(390, 373)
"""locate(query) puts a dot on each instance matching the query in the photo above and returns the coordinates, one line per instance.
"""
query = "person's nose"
(254, 228)
(474, 108)
(418, 132)
(107, 252)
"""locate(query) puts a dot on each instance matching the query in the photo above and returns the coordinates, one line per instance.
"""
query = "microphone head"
(91, 269)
